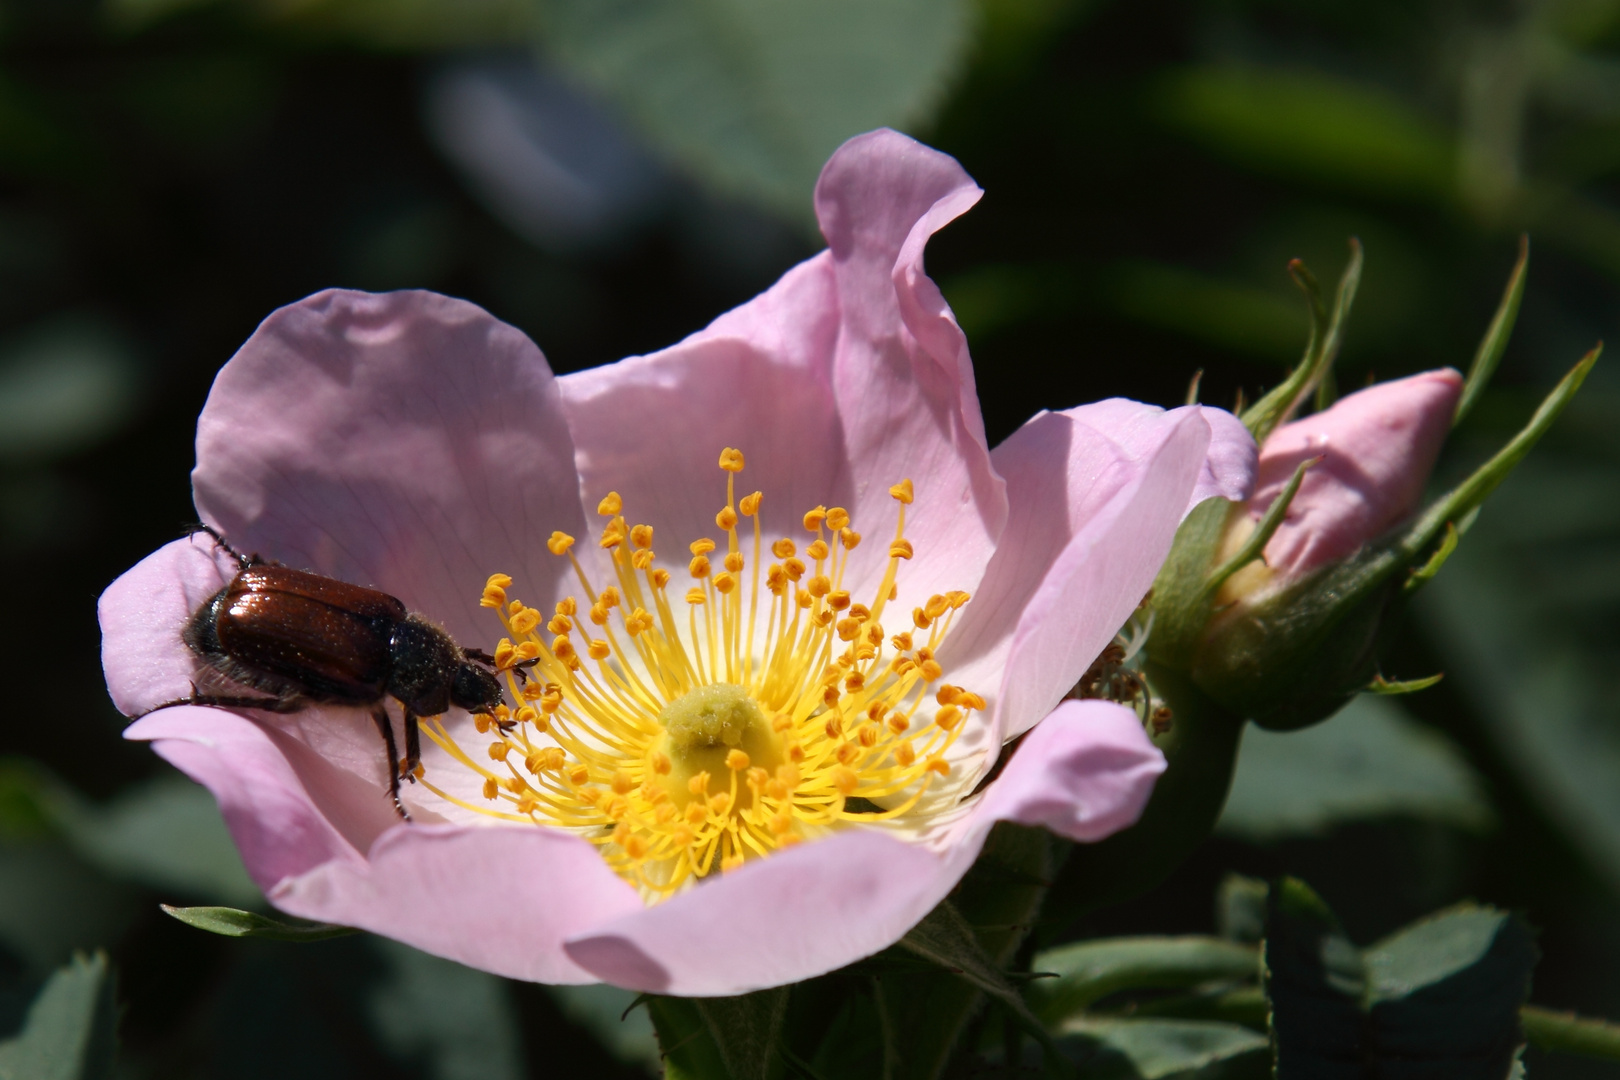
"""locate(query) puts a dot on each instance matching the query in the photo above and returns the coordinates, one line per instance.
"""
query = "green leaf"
(747, 1030)
(71, 1030)
(1566, 1033)
(1106, 1049)
(753, 96)
(688, 1047)
(1312, 125)
(1233, 315)
(1496, 337)
(1444, 993)
(229, 922)
(1314, 981)
(1369, 761)
(1240, 908)
(1089, 971)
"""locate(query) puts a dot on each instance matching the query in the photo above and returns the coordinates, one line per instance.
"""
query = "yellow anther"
(748, 505)
(548, 759)
(900, 549)
(567, 606)
(898, 723)
(560, 624)
(969, 700)
(610, 505)
(848, 629)
(817, 550)
(481, 723)
(665, 813)
(731, 862)
(948, 717)
(724, 583)
(699, 566)
(559, 543)
(957, 599)
(902, 492)
(781, 823)
(784, 549)
(682, 836)
(734, 561)
(635, 846)
(904, 755)
(526, 650)
(617, 807)
(736, 760)
(504, 652)
(719, 804)
(795, 752)
(920, 619)
(847, 752)
(694, 596)
(874, 636)
(514, 785)
(837, 518)
(525, 620)
(494, 596)
(660, 578)
(701, 547)
(947, 694)
(788, 774)
(819, 586)
(526, 715)
(623, 783)
(699, 783)
(776, 580)
(579, 774)
(638, 622)
(793, 568)
(532, 691)
(854, 682)
(731, 459)
(813, 520)
(937, 765)
(609, 597)
(612, 537)
(561, 648)
(641, 536)
(641, 559)
(845, 779)
(515, 606)
(598, 649)
(498, 751)
(491, 788)
(834, 726)
(849, 537)
(757, 778)
(867, 735)
(930, 670)
(936, 606)
(528, 804)
(498, 581)
(838, 601)
(726, 519)
(876, 711)
(776, 789)
(590, 795)
(901, 642)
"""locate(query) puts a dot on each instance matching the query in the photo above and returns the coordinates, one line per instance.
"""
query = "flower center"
(776, 710)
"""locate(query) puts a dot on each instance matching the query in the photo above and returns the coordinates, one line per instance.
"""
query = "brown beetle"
(305, 639)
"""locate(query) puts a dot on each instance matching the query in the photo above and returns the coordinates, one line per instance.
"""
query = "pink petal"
(847, 376)
(1084, 772)
(500, 898)
(1377, 446)
(1231, 462)
(1096, 494)
(827, 903)
(406, 441)
(141, 617)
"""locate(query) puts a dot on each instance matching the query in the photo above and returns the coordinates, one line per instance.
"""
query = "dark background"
(1150, 167)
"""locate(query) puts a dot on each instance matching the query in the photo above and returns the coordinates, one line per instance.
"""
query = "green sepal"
(1417, 578)
(70, 1032)
(1495, 342)
(685, 1042)
(1263, 532)
(231, 922)
(740, 1036)
(1381, 685)
(1180, 602)
(1322, 348)
(1089, 971)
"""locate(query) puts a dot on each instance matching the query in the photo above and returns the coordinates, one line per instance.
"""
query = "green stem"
(1566, 1033)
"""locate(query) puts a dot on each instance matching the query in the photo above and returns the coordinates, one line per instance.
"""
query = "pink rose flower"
(1377, 447)
(411, 442)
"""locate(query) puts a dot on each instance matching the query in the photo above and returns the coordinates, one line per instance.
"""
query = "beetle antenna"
(242, 560)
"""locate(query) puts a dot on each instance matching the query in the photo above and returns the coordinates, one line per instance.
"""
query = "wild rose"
(791, 696)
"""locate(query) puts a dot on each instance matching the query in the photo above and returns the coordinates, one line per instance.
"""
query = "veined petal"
(1096, 493)
(321, 847)
(406, 441)
(846, 377)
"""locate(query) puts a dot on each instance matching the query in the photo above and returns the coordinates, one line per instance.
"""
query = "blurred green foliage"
(172, 170)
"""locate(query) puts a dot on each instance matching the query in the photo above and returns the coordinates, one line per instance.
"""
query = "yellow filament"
(681, 747)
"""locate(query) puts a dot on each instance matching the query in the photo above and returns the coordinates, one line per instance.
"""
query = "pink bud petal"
(1377, 447)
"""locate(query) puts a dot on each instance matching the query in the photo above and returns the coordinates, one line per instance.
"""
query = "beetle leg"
(242, 560)
(386, 726)
(225, 701)
(480, 656)
(413, 745)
